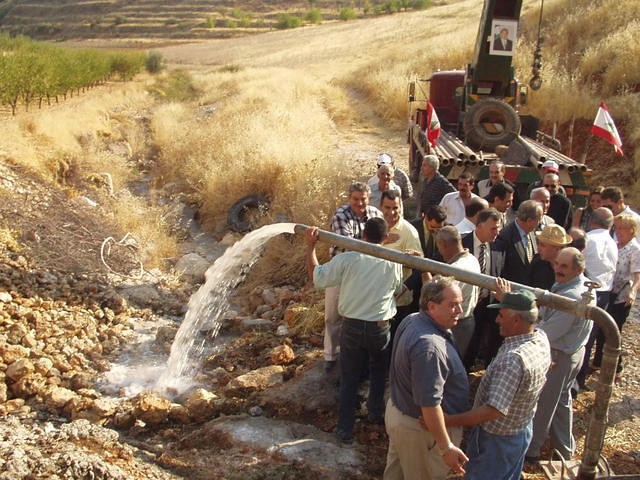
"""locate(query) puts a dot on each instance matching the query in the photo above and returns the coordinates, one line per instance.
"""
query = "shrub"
(153, 62)
(177, 86)
(420, 4)
(347, 14)
(285, 21)
(171, 21)
(391, 6)
(210, 22)
(126, 64)
(231, 24)
(313, 16)
(119, 20)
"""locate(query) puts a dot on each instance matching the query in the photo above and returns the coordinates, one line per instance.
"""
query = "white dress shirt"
(454, 207)
(601, 258)
(465, 226)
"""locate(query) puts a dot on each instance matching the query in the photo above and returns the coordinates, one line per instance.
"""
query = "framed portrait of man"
(504, 34)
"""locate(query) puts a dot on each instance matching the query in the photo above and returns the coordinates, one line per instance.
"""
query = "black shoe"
(329, 365)
(343, 437)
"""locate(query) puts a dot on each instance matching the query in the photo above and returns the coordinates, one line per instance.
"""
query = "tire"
(237, 216)
(490, 112)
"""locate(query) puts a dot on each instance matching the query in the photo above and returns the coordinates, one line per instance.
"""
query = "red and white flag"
(433, 124)
(604, 127)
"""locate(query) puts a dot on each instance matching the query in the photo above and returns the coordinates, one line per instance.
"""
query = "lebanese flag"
(433, 124)
(604, 127)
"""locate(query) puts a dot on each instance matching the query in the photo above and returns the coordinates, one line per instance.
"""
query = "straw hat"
(554, 235)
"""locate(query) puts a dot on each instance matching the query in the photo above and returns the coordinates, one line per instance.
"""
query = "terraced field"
(64, 19)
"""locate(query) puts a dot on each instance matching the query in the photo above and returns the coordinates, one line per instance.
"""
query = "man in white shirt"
(455, 202)
(601, 258)
(471, 212)
(450, 246)
(613, 199)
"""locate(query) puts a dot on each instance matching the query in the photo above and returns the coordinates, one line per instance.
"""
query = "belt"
(380, 323)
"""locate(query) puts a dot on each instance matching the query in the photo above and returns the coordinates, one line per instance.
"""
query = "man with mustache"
(567, 334)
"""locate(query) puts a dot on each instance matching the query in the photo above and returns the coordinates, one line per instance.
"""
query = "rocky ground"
(262, 407)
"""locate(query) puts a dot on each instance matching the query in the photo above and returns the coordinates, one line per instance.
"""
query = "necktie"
(529, 249)
(482, 260)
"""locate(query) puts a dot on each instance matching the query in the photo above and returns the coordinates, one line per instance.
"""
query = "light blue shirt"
(367, 285)
(565, 331)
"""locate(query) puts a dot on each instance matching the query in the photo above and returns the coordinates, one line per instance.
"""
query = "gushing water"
(210, 302)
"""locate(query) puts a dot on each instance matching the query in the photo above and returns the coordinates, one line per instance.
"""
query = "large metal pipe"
(598, 423)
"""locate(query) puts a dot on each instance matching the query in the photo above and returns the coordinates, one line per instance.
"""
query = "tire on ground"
(237, 216)
(490, 111)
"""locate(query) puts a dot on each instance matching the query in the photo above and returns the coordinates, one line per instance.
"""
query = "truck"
(478, 109)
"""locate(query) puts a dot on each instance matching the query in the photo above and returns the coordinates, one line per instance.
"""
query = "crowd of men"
(427, 333)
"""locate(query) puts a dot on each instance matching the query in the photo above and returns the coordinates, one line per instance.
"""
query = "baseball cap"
(384, 159)
(551, 165)
(554, 235)
(518, 300)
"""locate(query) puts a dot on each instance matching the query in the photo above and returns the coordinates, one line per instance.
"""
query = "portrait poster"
(504, 34)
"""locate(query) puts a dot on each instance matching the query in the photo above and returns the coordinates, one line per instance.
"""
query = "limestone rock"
(166, 334)
(3, 392)
(20, 368)
(192, 267)
(5, 297)
(179, 414)
(199, 404)
(282, 355)
(261, 324)
(11, 353)
(43, 366)
(151, 408)
(257, 379)
(57, 397)
(142, 295)
(269, 296)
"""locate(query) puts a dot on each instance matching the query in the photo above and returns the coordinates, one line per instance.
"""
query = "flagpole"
(587, 143)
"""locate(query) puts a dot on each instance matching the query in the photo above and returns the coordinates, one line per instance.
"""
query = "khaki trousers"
(332, 323)
(413, 453)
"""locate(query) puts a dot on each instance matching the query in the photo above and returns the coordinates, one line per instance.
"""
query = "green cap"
(518, 300)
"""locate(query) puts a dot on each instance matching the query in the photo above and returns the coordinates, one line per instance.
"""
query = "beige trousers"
(413, 453)
(332, 323)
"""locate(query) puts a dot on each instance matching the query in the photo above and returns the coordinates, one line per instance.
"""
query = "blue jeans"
(496, 457)
(361, 341)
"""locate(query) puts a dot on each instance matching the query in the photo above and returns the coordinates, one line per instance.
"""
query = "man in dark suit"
(518, 242)
(481, 244)
(503, 43)
(560, 206)
(428, 226)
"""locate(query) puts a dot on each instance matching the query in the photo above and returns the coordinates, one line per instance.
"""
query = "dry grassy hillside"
(143, 20)
(284, 110)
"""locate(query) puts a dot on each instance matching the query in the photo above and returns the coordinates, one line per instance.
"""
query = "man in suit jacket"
(503, 43)
(428, 226)
(560, 206)
(518, 242)
(486, 337)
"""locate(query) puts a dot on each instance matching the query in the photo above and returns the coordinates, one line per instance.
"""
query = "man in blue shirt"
(368, 286)
(427, 379)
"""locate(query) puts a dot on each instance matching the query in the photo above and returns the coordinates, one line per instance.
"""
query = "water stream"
(209, 303)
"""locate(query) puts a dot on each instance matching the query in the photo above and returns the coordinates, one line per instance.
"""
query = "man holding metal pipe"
(349, 221)
(367, 304)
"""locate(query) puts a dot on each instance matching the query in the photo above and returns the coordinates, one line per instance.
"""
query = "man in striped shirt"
(506, 399)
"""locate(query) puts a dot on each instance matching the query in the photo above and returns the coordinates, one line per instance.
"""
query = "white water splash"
(209, 303)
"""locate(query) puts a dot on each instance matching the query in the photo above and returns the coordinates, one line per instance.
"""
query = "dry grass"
(268, 132)
(70, 143)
